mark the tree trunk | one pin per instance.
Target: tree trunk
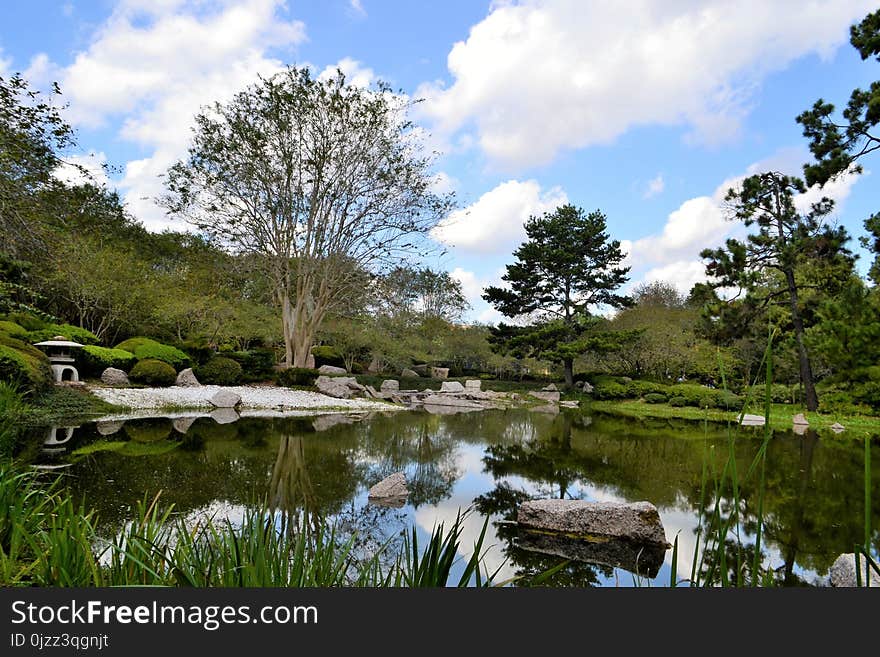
(287, 327)
(812, 400)
(568, 363)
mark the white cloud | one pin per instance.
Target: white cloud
(655, 186)
(495, 221)
(683, 274)
(357, 7)
(472, 287)
(156, 62)
(5, 64)
(539, 76)
(355, 74)
(444, 183)
(71, 171)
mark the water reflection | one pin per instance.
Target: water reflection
(313, 468)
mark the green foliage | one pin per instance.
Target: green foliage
(296, 376)
(24, 364)
(327, 355)
(655, 398)
(94, 359)
(146, 348)
(610, 390)
(13, 330)
(677, 402)
(153, 372)
(74, 333)
(254, 362)
(219, 371)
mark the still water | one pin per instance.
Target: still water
(487, 462)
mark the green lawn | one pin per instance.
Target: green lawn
(780, 415)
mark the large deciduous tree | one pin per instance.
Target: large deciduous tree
(785, 239)
(567, 265)
(321, 179)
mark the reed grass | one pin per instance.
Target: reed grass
(47, 540)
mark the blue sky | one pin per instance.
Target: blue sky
(647, 110)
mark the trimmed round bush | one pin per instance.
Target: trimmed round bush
(655, 398)
(325, 355)
(219, 371)
(678, 402)
(148, 349)
(24, 364)
(297, 376)
(27, 321)
(153, 372)
(254, 362)
(95, 360)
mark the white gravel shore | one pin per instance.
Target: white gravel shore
(252, 397)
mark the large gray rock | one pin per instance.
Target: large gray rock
(570, 404)
(225, 399)
(390, 385)
(109, 427)
(187, 379)
(550, 388)
(224, 415)
(473, 385)
(182, 424)
(330, 370)
(114, 377)
(440, 372)
(800, 419)
(749, 420)
(447, 400)
(843, 572)
(373, 367)
(409, 374)
(638, 521)
(587, 388)
(421, 370)
(451, 386)
(546, 396)
(837, 427)
(334, 386)
(325, 422)
(391, 486)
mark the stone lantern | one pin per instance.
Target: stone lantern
(58, 349)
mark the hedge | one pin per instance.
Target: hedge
(148, 349)
(94, 360)
(74, 333)
(153, 372)
(13, 330)
(219, 371)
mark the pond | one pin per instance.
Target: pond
(322, 466)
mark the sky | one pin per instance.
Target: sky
(648, 110)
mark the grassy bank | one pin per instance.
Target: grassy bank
(780, 415)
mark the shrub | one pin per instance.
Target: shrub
(13, 330)
(199, 352)
(678, 402)
(609, 390)
(642, 388)
(254, 362)
(24, 364)
(325, 355)
(74, 333)
(27, 321)
(94, 359)
(655, 398)
(728, 400)
(219, 371)
(297, 376)
(147, 349)
(153, 372)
